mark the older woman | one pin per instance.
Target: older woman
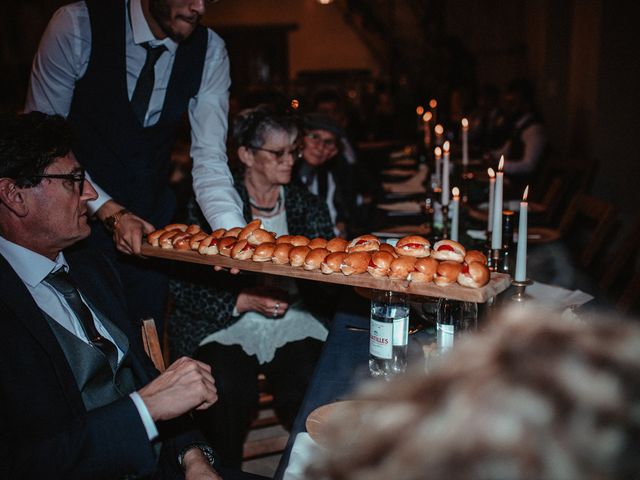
(245, 324)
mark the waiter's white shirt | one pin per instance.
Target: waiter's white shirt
(62, 60)
(33, 268)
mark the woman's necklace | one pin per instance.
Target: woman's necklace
(268, 211)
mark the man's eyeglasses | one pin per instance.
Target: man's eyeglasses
(77, 177)
(279, 155)
(316, 138)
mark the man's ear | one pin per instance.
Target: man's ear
(246, 156)
(13, 197)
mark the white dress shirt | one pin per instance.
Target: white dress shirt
(33, 268)
(534, 139)
(62, 60)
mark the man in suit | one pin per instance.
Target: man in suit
(79, 398)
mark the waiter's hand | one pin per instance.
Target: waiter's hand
(128, 231)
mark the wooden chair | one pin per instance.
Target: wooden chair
(151, 343)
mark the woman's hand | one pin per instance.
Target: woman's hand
(270, 302)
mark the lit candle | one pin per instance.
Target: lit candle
(419, 113)
(426, 118)
(445, 174)
(438, 154)
(492, 186)
(496, 233)
(433, 105)
(521, 259)
(465, 142)
(456, 213)
(439, 129)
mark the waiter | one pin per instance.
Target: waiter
(124, 72)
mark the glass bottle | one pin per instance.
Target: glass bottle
(388, 335)
(508, 254)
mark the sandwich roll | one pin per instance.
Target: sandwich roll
(225, 245)
(208, 246)
(385, 247)
(364, 243)
(259, 236)
(317, 243)
(263, 252)
(242, 250)
(154, 237)
(448, 250)
(355, 263)
(194, 243)
(181, 241)
(219, 233)
(447, 273)
(401, 267)
(475, 256)
(314, 259)
(299, 241)
(298, 254)
(176, 226)
(474, 275)
(166, 238)
(193, 229)
(234, 232)
(337, 245)
(284, 239)
(281, 253)
(413, 246)
(380, 264)
(425, 270)
(249, 229)
(332, 262)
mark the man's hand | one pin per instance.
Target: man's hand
(270, 302)
(185, 385)
(129, 230)
(196, 466)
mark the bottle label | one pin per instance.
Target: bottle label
(381, 339)
(400, 331)
(444, 336)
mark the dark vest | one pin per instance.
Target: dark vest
(129, 161)
(516, 148)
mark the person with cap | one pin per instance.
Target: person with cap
(324, 170)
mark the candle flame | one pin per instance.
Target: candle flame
(433, 103)
(438, 152)
(295, 104)
(446, 147)
(439, 129)
(525, 194)
(501, 164)
(427, 116)
(465, 123)
(491, 173)
(455, 191)
(419, 110)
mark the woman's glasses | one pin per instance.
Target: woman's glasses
(316, 138)
(280, 155)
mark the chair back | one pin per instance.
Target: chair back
(151, 343)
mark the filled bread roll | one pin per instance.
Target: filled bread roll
(380, 263)
(315, 258)
(448, 250)
(337, 245)
(181, 241)
(193, 229)
(208, 246)
(299, 241)
(447, 273)
(332, 262)
(166, 239)
(219, 233)
(259, 236)
(297, 255)
(474, 275)
(413, 246)
(225, 245)
(242, 250)
(234, 232)
(355, 263)
(425, 270)
(176, 226)
(385, 247)
(248, 230)
(317, 243)
(264, 252)
(154, 237)
(281, 253)
(401, 267)
(475, 256)
(284, 239)
(195, 240)
(364, 243)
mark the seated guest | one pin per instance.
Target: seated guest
(80, 399)
(532, 397)
(244, 325)
(526, 145)
(325, 172)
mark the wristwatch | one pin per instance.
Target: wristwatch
(206, 450)
(111, 222)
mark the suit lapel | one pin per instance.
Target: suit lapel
(17, 298)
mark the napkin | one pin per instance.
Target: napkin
(413, 185)
(557, 297)
(304, 450)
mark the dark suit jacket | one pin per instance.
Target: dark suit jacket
(45, 431)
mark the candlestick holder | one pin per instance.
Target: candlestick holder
(521, 296)
(493, 261)
(445, 221)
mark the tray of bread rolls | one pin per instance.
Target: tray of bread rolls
(413, 266)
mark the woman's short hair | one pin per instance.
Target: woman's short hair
(533, 397)
(251, 126)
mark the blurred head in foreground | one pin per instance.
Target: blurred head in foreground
(534, 398)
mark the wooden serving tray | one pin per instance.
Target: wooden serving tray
(498, 283)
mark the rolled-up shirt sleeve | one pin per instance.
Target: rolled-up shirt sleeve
(208, 112)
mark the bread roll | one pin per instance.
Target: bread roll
(219, 233)
(425, 270)
(332, 262)
(380, 263)
(385, 247)
(249, 229)
(176, 226)
(181, 241)
(281, 253)
(264, 252)
(193, 229)
(364, 243)
(284, 239)
(315, 258)
(225, 245)
(355, 263)
(317, 243)
(413, 246)
(448, 250)
(474, 275)
(154, 237)
(401, 267)
(475, 256)
(447, 273)
(242, 250)
(337, 245)
(298, 240)
(166, 238)
(259, 236)
(195, 240)
(208, 246)
(234, 232)
(298, 254)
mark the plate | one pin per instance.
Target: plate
(318, 420)
(403, 230)
(411, 207)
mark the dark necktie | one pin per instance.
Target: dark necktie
(144, 85)
(61, 281)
